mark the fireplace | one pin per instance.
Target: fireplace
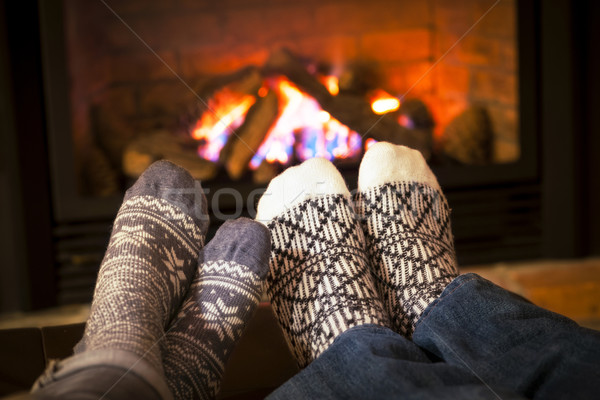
(130, 82)
(135, 68)
(146, 80)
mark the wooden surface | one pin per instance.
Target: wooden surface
(569, 287)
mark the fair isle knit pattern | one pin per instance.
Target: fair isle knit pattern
(150, 260)
(319, 281)
(222, 299)
(410, 245)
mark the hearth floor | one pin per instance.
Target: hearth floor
(569, 287)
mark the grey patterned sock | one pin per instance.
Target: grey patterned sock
(222, 298)
(149, 263)
(406, 220)
(319, 281)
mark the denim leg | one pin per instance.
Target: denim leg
(107, 374)
(510, 342)
(373, 362)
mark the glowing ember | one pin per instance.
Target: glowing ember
(382, 102)
(406, 122)
(226, 112)
(319, 135)
(262, 92)
(369, 142)
(331, 82)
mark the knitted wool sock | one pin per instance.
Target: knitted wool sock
(149, 263)
(406, 221)
(222, 299)
(319, 282)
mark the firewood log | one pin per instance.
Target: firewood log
(248, 138)
(159, 145)
(351, 110)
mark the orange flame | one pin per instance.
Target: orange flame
(301, 116)
(369, 142)
(383, 102)
(301, 131)
(331, 82)
(226, 111)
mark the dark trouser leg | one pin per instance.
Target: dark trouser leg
(373, 362)
(510, 342)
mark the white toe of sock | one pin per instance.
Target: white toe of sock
(314, 177)
(385, 163)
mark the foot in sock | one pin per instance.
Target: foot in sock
(406, 221)
(222, 298)
(319, 282)
(149, 263)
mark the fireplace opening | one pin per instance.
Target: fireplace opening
(142, 74)
(236, 91)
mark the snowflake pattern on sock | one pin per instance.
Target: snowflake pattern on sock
(222, 299)
(410, 245)
(149, 262)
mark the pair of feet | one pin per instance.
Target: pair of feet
(338, 262)
(177, 305)
(182, 306)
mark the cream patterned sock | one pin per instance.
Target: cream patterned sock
(406, 220)
(319, 282)
(149, 263)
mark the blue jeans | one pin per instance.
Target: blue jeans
(476, 341)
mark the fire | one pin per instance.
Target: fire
(383, 102)
(301, 117)
(331, 82)
(279, 142)
(302, 130)
(369, 142)
(226, 112)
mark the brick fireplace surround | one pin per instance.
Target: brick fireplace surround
(539, 86)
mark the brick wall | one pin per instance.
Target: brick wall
(122, 89)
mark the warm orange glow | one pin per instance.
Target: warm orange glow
(303, 128)
(383, 102)
(301, 131)
(369, 142)
(226, 111)
(262, 92)
(280, 139)
(405, 121)
(331, 83)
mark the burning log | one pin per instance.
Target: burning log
(245, 81)
(159, 145)
(351, 110)
(242, 145)
(282, 62)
